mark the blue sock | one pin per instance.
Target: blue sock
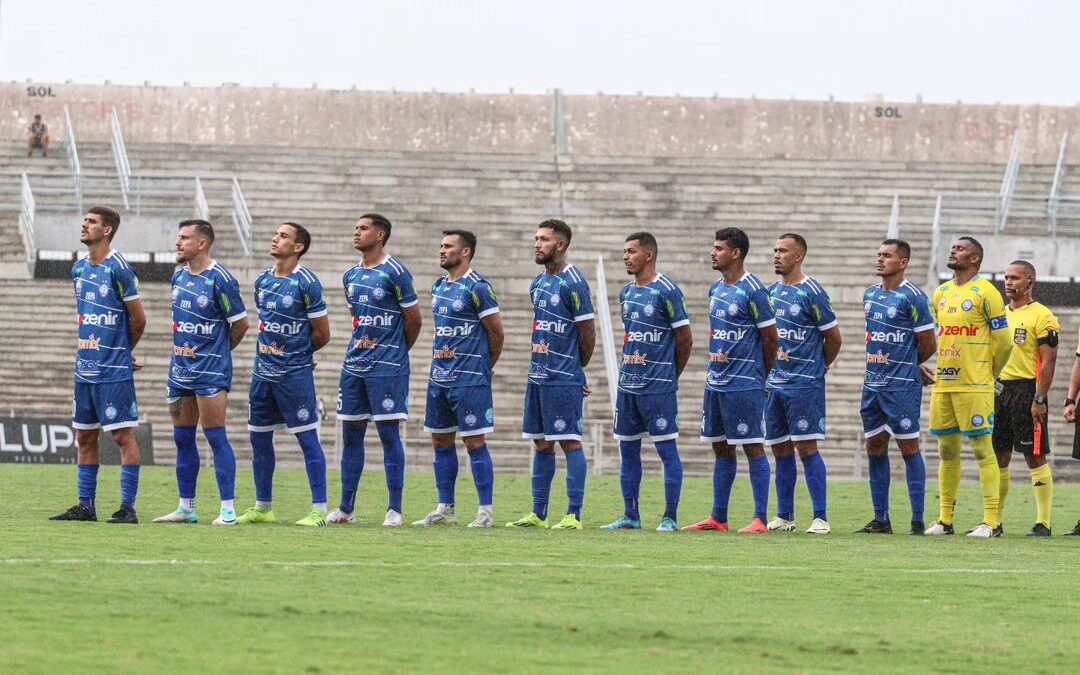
(483, 474)
(630, 476)
(577, 468)
(446, 469)
(879, 486)
(723, 478)
(816, 483)
(88, 485)
(262, 464)
(224, 461)
(315, 463)
(352, 463)
(543, 472)
(187, 461)
(787, 472)
(129, 484)
(916, 485)
(759, 485)
(669, 455)
(393, 461)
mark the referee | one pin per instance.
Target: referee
(1020, 401)
(1070, 417)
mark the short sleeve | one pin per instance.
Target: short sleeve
(761, 308)
(346, 279)
(1047, 326)
(483, 296)
(822, 311)
(994, 309)
(922, 319)
(934, 305)
(675, 304)
(127, 283)
(404, 289)
(313, 299)
(581, 298)
(232, 303)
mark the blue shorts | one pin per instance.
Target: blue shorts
(466, 410)
(373, 398)
(105, 406)
(176, 393)
(736, 417)
(641, 415)
(794, 414)
(288, 403)
(553, 413)
(893, 410)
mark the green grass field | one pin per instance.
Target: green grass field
(92, 597)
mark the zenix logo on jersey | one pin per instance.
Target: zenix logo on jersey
(551, 326)
(105, 319)
(890, 337)
(380, 320)
(454, 331)
(728, 335)
(646, 336)
(193, 328)
(796, 334)
(290, 328)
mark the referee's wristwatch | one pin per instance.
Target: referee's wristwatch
(1040, 399)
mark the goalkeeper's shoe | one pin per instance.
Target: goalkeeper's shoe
(392, 519)
(938, 528)
(819, 526)
(484, 518)
(180, 515)
(339, 517)
(984, 531)
(256, 514)
(875, 526)
(710, 524)
(779, 524)
(1075, 532)
(125, 515)
(623, 523)
(528, 521)
(226, 517)
(568, 522)
(80, 512)
(667, 524)
(314, 519)
(442, 515)
(755, 527)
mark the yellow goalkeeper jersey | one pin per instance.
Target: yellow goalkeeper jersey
(1030, 326)
(965, 315)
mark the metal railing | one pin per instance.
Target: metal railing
(241, 216)
(26, 217)
(1060, 171)
(73, 155)
(120, 156)
(1008, 182)
(607, 331)
(202, 208)
(894, 218)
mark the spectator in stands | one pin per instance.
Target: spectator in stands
(38, 137)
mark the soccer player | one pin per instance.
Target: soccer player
(809, 341)
(292, 326)
(1020, 407)
(973, 345)
(742, 350)
(563, 337)
(111, 322)
(467, 344)
(656, 346)
(1069, 415)
(899, 337)
(375, 375)
(209, 321)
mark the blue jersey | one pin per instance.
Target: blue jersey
(892, 350)
(204, 306)
(286, 306)
(460, 354)
(104, 353)
(650, 316)
(737, 313)
(559, 302)
(376, 297)
(803, 313)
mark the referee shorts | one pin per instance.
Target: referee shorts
(1014, 430)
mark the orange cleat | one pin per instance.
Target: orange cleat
(755, 527)
(710, 524)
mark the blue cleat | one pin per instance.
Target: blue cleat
(667, 525)
(623, 523)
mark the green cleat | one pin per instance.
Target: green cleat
(314, 519)
(569, 522)
(623, 523)
(531, 520)
(256, 514)
(667, 525)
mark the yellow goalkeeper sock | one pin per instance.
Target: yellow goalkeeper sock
(1043, 484)
(989, 476)
(1003, 491)
(948, 475)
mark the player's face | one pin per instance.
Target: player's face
(635, 256)
(889, 261)
(452, 252)
(366, 235)
(548, 245)
(284, 244)
(1017, 282)
(962, 256)
(188, 244)
(723, 255)
(786, 255)
(93, 230)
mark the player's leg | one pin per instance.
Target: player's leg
(263, 418)
(213, 404)
(759, 486)
(945, 427)
(724, 464)
(902, 410)
(743, 414)
(778, 438)
(475, 418)
(388, 399)
(808, 423)
(563, 408)
(295, 396)
(354, 411)
(87, 429)
(184, 411)
(439, 421)
(577, 470)
(877, 454)
(628, 429)
(1042, 480)
(483, 472)
(543, 459)
(121, 415)
(661, 412)
(1002, 439)
(975, 412)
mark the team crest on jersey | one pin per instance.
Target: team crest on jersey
(648, 310)
(379, 292)
(977, 420)
(905, 423)
(555, 300)
(802, 424)
(560, 425)
(891, 312)
(661, 423)
(303, 414)
(458, 305)
(103, 290)
(470, 420)
(732, 309)
(966, 305)
(1020, 336)
(388, 404)
(743, 428)
(286, 301)
(202, 301)
(794, 310)
(111, 412)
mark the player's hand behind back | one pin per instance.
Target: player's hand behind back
(135, 364)
(927, 375)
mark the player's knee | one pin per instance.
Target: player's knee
(784, 449)
(569, 445)
(1003, 459)
(544, 446)
(442, 440)
(1034, 461)
(806, 448)
(723, 450)
(473, 443)
(754, 451)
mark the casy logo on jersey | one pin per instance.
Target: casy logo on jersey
(281, 328)
(733, 335)
(104, 319)
(888, 337)
(551, 326)
(379, 320)
(454, 331)
(646, 336)
(193, 327)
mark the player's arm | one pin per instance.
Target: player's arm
(237, 330)
(1074, 389)
(1000, 336)
(684, 344)
(320, 332)
(1045, 375)
(413, 322)
(770, 339)
(495, 334)
(831, 349)
(136, 320)
(586, 340)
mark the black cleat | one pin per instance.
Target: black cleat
(875, 527)
(77, 512)
(917, 530)
(1039, 530)
(1075, 532)
(125, 515)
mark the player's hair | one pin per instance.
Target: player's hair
(468, 237)
(902, 246)
(975, 243)
(37, 117)
(302, 236)
(203, 228)
(560, 227)
(797, 238)
(647, 241)
(380, 222)
(1028, 267)
(736, 238)
(110, 217)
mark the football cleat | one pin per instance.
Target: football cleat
(623, 523)
(998, 531)
(667, 525)
(875, 526)
(527, 521)
(392, 519)
(937, 529)
(442, 515)
(568, 522)
(1039, 530)
(124, 515)
(226, 517)
(984, 531)
(755, 527)
(314, 519)
(180, 515)
(819, 526)
(710, 524)
(339, 517)
(256, 514)
(484, 518)
(1075, 532)
(917, 529)
(80, 512)
(779, 524)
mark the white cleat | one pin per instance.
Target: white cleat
(227, 517)
(339, 517)
(819, 526)
(178, 516)
(778, 524)
(442, 515)
(393, 519)
(484, 518)
(938, 529)
(983, 531)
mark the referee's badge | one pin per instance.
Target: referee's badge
(1020, 336)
